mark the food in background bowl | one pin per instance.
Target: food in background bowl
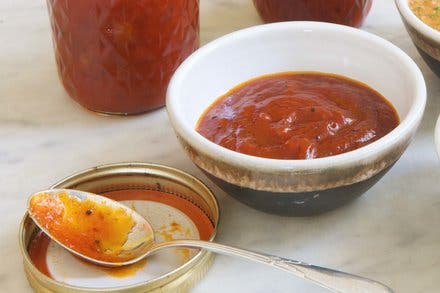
(298, 115)
(421, 24)
(295, 187)
(427, 11)
(348, 12)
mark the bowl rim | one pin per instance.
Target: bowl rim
(363, 154)
(415, 22)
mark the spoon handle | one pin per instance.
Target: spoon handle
(333, 280)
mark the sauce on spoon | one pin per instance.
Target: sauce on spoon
(95, 229)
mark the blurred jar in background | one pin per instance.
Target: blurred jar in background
(118, 56)
(347, 12)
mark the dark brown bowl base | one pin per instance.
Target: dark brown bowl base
(434, 64)
(301, 203)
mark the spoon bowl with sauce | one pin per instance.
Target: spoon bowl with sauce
(98, 229)
(107, 233)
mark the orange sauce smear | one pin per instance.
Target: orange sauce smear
(37, 248)
(167, 233)
(125, 271)
(93, 229)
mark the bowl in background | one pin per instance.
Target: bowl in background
(295, 187)
(351, 12)
(425, 38)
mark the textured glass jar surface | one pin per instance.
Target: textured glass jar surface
(117, 56)
(347, 12)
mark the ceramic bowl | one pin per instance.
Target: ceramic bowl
(295, 187)
(425, 38)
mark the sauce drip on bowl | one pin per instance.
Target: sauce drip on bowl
(93, 229)
(298, 115)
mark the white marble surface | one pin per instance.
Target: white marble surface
(391, 234)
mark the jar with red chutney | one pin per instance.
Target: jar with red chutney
(118, 56)
(347, 12)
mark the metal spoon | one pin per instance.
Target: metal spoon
(142, 244)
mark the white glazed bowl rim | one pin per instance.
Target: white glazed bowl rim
(354, 157)
(415, 22)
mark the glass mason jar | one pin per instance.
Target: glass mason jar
(117, 56)
(347, 12)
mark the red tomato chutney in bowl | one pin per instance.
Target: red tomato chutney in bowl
(298, 115)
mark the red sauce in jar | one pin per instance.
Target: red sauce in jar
(118, 56)
(348, 12)
(298, 115)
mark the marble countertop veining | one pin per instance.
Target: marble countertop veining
(390, 234)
